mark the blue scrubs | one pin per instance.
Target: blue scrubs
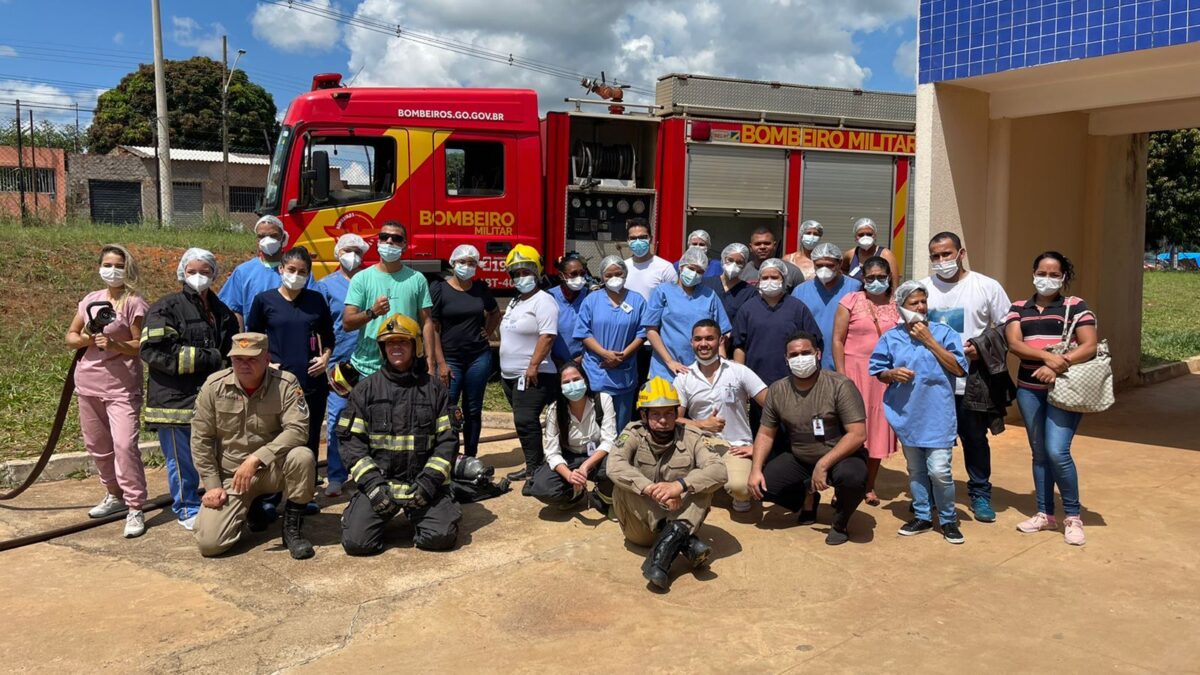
(247, 281)
(762, 331)
(566, 347)
(734, 298)
(614, 327)
(334, 287)
(823, 303)
(674, 313)
(922, 411)
(714, 269)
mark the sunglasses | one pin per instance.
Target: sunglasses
(397, 238)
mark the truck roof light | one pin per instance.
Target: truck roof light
(326, 81)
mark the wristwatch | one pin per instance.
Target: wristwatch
(684, 484)
(370, 313)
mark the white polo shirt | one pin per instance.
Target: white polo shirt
(727, 395)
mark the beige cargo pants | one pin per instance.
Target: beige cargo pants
(641, 517)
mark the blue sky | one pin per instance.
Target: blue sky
(66, 56)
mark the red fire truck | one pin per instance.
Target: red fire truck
(481, 167)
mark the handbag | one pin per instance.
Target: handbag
(1086, 387)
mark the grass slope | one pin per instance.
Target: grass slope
(1171, 319)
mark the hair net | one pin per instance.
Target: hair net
(611, 260)
(197, 254)
(350, 240)
(906, 289)
(464, 251)
(694, 256)
(737, 248)
(699, 234)
(775, 263)
(865, 222)
(827, 250)
(812, 225)
(274, 222)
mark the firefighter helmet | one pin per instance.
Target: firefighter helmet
(658, 393)
(522, 254)
(400, 327)
(343, 378)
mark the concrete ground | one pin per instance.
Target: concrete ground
(531, 589)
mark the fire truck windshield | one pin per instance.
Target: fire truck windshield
(270, 202)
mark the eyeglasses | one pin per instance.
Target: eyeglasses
(386, 237)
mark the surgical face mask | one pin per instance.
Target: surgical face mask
(826, 274)
(1047, 285)
(732, 270)
(803, 365)
(390, 252)
(639, 247)
(198, 282)
(350, 260)
(810, 240)
(294, 282)
(770, 287)
(574, 390)
(269, 245)
(698, 247)
(576, 283)
(946, 269)
(709, 361)
(113, 276)
(525, 284)
(910, 317)
(866, 241)
(876, 286)
(615, 284)
(464, 272)
(689, 277)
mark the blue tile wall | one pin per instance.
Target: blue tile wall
(964, 38)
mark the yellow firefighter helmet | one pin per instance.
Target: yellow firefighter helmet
(400, 327)
(658, 393)
(523, 255)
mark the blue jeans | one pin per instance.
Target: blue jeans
(1050, 432)
(335, 471)
(623, 408)
(182, 478)
(929, 469)
(469, 378)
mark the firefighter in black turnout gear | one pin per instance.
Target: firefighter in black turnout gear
(397, 439)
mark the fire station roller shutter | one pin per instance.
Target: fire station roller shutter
(115, 202)
(188, 203)
(841, 187)
(724, 178)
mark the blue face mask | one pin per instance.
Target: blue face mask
(574, 390)
(525, 284)
(639, 247)
(689, 277)
(390, 252)
(464, 272)
(876, 287)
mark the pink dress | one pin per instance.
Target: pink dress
(867, 323)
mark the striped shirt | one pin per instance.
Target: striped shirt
(1041, 328)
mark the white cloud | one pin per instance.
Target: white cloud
(905, 61)
(5, 50)
(188, 32)
(292, 30)
(118, 38)
(48, 102)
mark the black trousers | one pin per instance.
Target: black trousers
(548, 487)
(527, 409)
(644, 356)
(789, 479)
(435, 525)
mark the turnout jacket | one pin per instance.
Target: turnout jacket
(183, 344)
(695, 456)
(230, 425)
(396, 429)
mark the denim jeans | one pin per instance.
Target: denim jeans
(182, 478)
(527, 406)
(623, 408)
(977, 453)
(929, 477)
(469, 378)
(335, 471)
(1050, 432)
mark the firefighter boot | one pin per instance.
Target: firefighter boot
(671, 540)
(696, 551)
(293, 537)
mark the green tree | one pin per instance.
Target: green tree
(46, 134)
(1173, 188)
(124, 115)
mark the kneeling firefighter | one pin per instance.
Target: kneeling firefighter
(665, 475)
(396, 437)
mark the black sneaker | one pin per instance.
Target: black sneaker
(952, 534)
(809, 516)
(915, 526)
(521, 475)
(836, 537)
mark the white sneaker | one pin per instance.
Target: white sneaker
(741, 506)
(108, 506)
(135, 524)
(334, 489)
(188, 524)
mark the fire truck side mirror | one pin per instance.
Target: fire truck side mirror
(320, 177)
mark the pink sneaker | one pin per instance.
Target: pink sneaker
(1038, 523)
(1073, 530)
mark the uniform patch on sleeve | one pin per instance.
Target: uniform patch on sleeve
(302, 405)
(622, 438)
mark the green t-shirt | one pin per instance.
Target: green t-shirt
(407, 293)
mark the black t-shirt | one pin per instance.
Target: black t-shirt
(461, 315)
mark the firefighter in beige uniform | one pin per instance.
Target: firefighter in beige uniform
(665, 475)
(248, 438)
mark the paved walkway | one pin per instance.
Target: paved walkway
(537, 590)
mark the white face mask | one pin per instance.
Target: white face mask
(732, 270)
(350, 260)
(803, 366)
(464, 272)
(947, 269)
(198, 282)
(525, 284)
(269, 245)
(112, 276)
(1047, 286)
(576, 283)
(866, 241)
(390, 252)
(709, 361)
(910, 317)
(770, 287)
(293, 281)
(615, 284)
(810, 240)
(826, 274)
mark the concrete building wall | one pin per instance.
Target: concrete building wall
(88, 167)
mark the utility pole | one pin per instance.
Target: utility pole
(20, 163)
(165, 201)
(225, 116)
(33, 161)
(77, 126)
